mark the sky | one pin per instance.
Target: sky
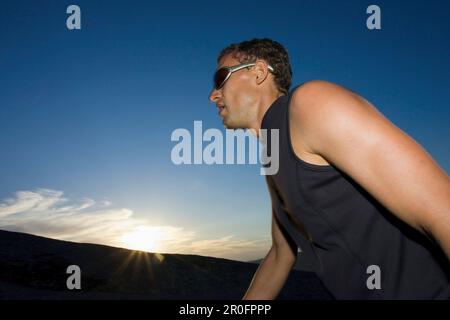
(86, 116)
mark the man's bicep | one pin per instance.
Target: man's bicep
(281, 240)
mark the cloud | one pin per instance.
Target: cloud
(229, 246)
(48, 213)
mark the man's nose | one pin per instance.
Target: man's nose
(214, 95)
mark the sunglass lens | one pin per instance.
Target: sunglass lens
(220, 77)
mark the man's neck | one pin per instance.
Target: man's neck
(264, 104)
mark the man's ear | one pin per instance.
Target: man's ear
(261, 70)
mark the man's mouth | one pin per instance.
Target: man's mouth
(220, 108)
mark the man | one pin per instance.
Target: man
(363, 202)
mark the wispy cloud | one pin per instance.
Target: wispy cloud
(230, 246)
(48, 213)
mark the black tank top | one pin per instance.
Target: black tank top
(341, 230)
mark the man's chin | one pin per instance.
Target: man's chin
(227, 124)
(230, 125)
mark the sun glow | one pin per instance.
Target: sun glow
(144, 239)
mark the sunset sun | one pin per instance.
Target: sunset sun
(143, 239)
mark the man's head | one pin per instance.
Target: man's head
(240, 97)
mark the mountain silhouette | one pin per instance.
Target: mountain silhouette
(33, 267)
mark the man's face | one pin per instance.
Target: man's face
(236, 99)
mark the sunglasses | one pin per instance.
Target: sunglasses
(223, 74)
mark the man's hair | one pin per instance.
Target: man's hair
(270, 51)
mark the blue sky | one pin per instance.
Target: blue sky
(86, 115)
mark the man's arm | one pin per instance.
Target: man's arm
(274, 269)
(353, 135)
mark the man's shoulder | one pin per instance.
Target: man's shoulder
(319, 106)
(322, 100)
(319, 91)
